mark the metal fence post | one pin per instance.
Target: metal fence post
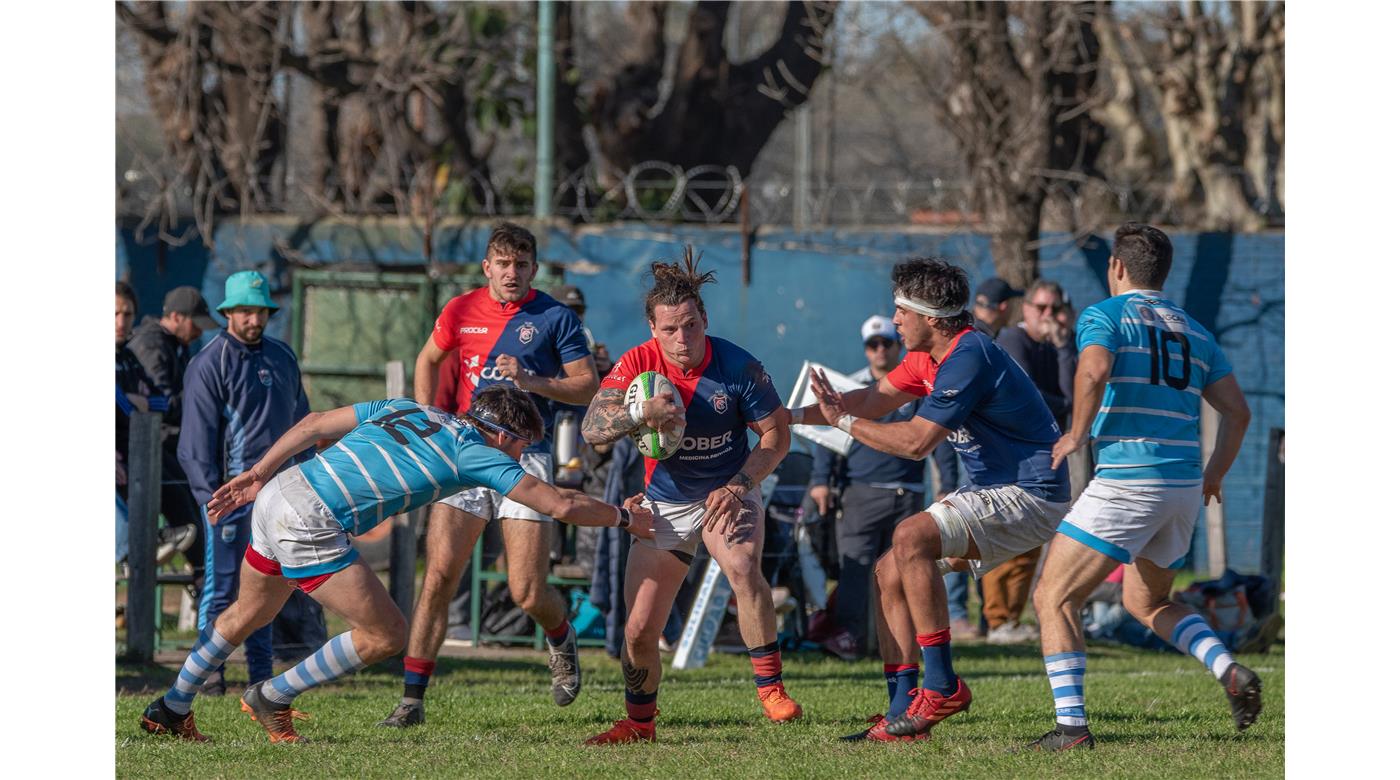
(143, 508)
(1272, 542)
(1215, 512)
(403, 539)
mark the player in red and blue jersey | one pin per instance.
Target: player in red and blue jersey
(390, 457)
(705, 491)
(504, 333)
(976, 396)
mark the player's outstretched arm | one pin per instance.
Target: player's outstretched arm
(243, 488)
(571, 506)
(871, 403)
(1224, 395)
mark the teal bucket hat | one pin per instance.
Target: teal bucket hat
(247, 288)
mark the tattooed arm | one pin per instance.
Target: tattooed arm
(609, 420)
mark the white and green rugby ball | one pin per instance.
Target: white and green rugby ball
(654, 444)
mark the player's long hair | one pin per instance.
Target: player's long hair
(676, 283)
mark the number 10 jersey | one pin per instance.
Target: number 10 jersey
(1147, 431)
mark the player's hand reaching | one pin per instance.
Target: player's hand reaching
(237, 492)
(642, 518)
(832, 406)
(725, 513)
(1066, 445)
(662, 412)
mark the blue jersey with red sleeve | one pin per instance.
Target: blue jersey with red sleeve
(721, 396)
(540, 332)
(1001, 426)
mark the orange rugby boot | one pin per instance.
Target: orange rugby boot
(777, 704)
(276, 719)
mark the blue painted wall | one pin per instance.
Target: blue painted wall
(810, 291)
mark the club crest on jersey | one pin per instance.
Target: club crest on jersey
(720, 401)
(527, 333)
(265, 377)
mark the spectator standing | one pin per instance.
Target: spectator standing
(163, 347)
(136, 392)
(877, 491)
(241, 393)
(1044, 347)
(991, 308)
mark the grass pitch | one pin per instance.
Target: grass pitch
(1154, 715)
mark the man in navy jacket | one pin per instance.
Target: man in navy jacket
(242, 392)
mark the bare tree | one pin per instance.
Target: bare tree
(1215, 79)
(1013, 90)
(705, 109)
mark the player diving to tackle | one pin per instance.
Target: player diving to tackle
(1144, 367)
(705, 491)
(978, 397)
(392, 456)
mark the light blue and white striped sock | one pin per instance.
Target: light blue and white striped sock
(208, 655)
(1066, 672)
(1193, 636)
(335, 659)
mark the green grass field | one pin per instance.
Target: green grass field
(1154, 715)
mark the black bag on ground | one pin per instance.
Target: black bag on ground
(501, 617)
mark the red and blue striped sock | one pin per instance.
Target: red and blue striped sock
(556, 636)
(641, 707)
(767, 664)
(901, 679)
(937, 651)
(416, 672)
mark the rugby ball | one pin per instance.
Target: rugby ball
(654, 444)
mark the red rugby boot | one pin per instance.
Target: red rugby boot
(624, 731)
(877, 733)
(927, 708)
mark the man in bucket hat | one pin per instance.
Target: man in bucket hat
(242, 392)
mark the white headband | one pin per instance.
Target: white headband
(926, 309)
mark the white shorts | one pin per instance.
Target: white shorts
(1136, 521)
(488, 505)
(1003, 521)
(679, 527)
(294, 529)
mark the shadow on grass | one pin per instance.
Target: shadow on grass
(133, 678)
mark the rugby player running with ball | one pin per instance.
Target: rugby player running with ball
(706, 491)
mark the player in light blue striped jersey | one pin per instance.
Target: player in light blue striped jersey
(1145, 366)
(392, 456)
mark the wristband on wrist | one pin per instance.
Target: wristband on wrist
(624, 518)
(634, 412)
(845, 421)
(798, 415)
(741, 480)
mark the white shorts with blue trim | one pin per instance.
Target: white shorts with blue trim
(294, 528)
(488, 505)
(1132, 521)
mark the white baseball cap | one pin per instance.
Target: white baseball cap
(878, 326)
